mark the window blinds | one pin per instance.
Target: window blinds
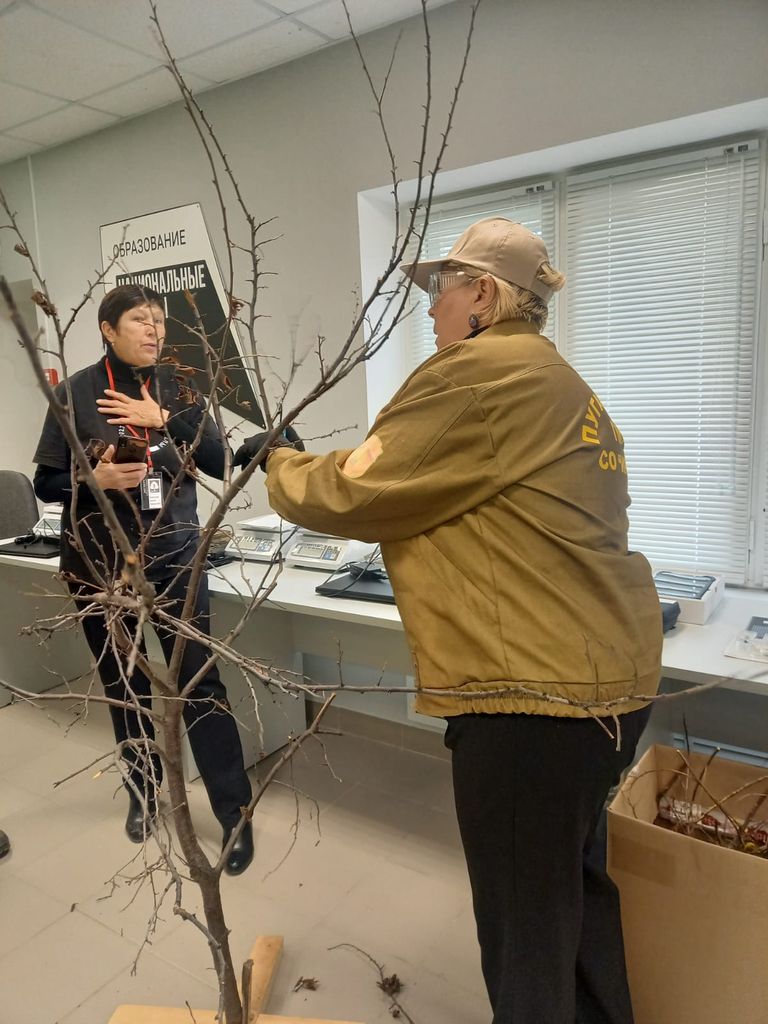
(662, 261)
(532, 205)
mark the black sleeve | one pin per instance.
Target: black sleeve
(209, 453)
(52, 484)
(52, 448)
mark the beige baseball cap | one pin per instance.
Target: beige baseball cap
(498, 246)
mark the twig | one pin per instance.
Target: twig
(389, 985)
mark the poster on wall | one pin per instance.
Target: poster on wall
(171, 252)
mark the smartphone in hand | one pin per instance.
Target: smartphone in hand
(130, 449)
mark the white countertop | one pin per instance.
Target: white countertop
(695, 653)
(691, 653)
(295, 592)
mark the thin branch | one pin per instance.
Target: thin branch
(390, 985)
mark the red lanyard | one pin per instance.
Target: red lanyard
(128, 425)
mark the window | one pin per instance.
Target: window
(532, 205)
(660, 316)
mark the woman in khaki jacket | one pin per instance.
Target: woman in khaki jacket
(496, 483)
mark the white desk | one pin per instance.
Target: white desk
(26, 586)
(24, 662)
(296, 621)
(366, 633)
(691, 653)
(694, 654)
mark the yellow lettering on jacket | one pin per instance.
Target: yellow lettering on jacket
(610, 460)
(592, 417)
(589, 434)
(361, 459)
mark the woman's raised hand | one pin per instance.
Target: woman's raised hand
(138, 412)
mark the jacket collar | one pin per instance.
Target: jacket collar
(508, 328)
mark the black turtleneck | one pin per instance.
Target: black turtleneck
(127, 373)
(53, 479)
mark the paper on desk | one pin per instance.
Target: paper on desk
(751, 644)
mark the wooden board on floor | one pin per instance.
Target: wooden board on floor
(266, 953)
(267, 1018)
(160, 1015)
(174, 1015)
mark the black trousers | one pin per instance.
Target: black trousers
(211, 728)
(529, 793)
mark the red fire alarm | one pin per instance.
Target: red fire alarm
(52, 375)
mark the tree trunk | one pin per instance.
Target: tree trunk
(200, 869)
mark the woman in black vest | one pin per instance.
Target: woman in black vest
(127, 394)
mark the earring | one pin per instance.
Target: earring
(474, 322)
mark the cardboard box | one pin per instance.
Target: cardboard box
(695, 915)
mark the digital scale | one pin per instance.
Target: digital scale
(697, 595)
(49, 523)
(264, 538)
(261, 539)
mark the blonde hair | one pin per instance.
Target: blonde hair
(510, 302)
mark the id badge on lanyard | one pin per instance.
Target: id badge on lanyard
(151, 490)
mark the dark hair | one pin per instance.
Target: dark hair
(126, 296)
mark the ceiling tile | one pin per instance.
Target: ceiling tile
(188, 25)
(292, 6)
(12, 149)
(17, 105)
(37, 48)
(157, 89)
(329, 18)
(104, 55)
(245, 56)
(63, 125)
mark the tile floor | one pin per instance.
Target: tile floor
(380, 868)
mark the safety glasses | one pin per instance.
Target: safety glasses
(441, 280)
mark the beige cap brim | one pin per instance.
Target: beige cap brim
(420, 273)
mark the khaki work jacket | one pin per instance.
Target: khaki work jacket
(496, 483)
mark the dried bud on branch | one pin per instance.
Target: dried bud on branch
(391, 985)
(43, 302)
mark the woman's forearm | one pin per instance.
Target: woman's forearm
(209, 451)
(52, 484)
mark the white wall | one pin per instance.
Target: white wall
(20, 396)
(304, 142)
(21, 407)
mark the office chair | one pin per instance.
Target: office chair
(18, 504)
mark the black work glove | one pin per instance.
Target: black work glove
(288, 439)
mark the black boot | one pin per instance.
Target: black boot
(5, 844)
(137, 824)
(241, 854)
